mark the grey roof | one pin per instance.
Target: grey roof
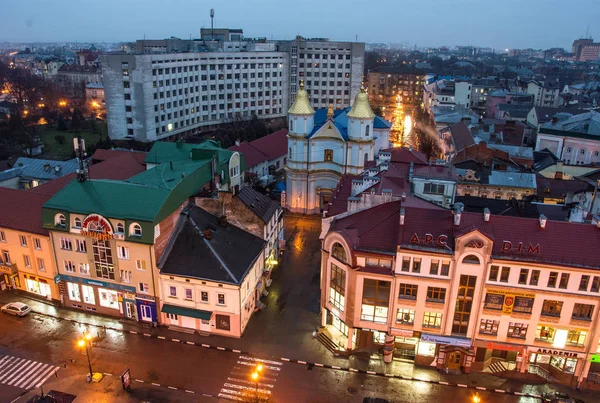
(516, 179)
(10, 173)
(588, 123)
(45, 169)
(260, 204)
(516, 111)
(514, 151)
(226, 257)
(545, 113)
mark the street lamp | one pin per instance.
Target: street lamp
(476, 398)
(256, 375)
(84, 342)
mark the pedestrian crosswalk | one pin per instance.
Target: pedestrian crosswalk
(23, 373)
(239, 384)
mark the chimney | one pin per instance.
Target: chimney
(402, 215)
(543, 221)
(403, 196)
(486, 214)
(458, 209)
(410, 148)
(596, 220)
(237, 142)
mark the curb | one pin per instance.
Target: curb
(309, 365)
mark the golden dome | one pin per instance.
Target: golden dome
(301, 105)
(361, 108)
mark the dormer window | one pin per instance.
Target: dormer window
(77, 222)
(135, 230)
(60, 220)
(120, 228)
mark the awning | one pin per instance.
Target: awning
(189, 312)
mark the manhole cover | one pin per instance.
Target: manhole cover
(352, 390)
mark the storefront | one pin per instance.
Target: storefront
(9, 277)
(146, 308)
(562, 365)
(406, 343)
(451, 353)
(93, 295)
(38, 285)
(338, 330)
(491, 353)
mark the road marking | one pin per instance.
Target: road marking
(176, 340)
(480, 388)
(147, 335)
(239, 382)
(499, 391)
(236, 351)
(23, 378)
(443, 383)
(206, 345)
(39, 381)
(161, 337)
(171, 387)
(191, 343)
(139, 380)
(460, 385)
(155, 384)
(261, 360)
(191, 391)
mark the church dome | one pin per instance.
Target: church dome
(301, 105)
(361, 108)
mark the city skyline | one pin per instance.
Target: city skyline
(462, 22)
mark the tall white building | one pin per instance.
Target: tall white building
(325, 144)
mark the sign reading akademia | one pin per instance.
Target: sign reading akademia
(559, 353)
(98, 227)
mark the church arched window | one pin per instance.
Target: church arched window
(367, 130)
(291, 125)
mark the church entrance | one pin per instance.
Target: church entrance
(325, 198)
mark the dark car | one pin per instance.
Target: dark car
(559, 397)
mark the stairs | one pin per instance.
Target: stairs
(327, 342)
(497, 367)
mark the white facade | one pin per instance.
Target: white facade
(544, 96)
(570, 150)
(462, 94)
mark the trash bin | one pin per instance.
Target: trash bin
(89, 378)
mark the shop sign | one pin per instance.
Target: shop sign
(557, 353)
(493, 301)
(490, 345)
(96, 283)
(97, 227)
(595, 358)
(429, 239)
(8, 269)
(57, 279)
(515, 293)
(402, 332)
(509, 302)
(126, 379)
(453, 341)
(507, 246)
(145, 298)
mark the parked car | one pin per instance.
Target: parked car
(16, 308)
(558, 397)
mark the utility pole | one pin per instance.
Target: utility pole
(212, 24)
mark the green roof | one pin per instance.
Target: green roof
(163, 151)
(189, 312)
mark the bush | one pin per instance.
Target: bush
(60, 139)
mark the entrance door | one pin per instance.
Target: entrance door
(325, 198)
(130, 310)
(188, 322)
(453, 360)
(205, 326)
(146, 313)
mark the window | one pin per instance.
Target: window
(471, 259)
(408, 291)
(435, 294)
(77, 222)
(505, 274)
(494, 270)
(120, 228)
(204, 296)
(445, 268)
(140, 264)
(189, 294)
(374, 262)
(339, 252)
(2, 236)
(595, 284)
(523, 276)
(23, 240)
(337, 287)
(535, 276)
(126, 276)
(27, 260)
(582, 311)
(123, 252)
(172, 291)
(291, 130)
(103, 259)
(375, 300)
(488, 326)
(328, 155)
(434, 188)
(65, 243)
(551, 307)
(517, 330)
(60, 221)
(84, 268)
(88, 294)
(464, 303)
(108, 298)
(6, 257)
(432, 319)
(583, 283)
(41, 265)
(576, 337)
(564, 280)
(37, 243)
(143, 287)
(69, 266)
(73, 290)
(434, 267)
(81, 246)
(405, 264)
(405, 316)
(135, 230)
(552, 279)
(545, 333)
(416, 265)
(220, 299)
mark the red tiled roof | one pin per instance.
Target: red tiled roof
(273, 145)
(403, 154)
(562, 243)
(22, 209)
(103, 155)
(252, 156)
(461, 135)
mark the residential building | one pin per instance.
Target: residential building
(496, 156)
(539, 116)
(106, 247)
(385, 84)
(487, 183)
(439, 93)
(222, 34)
(331, 71)
(28, 173)
(497, 97)
(545, 93)
(154, 96)
(324, 145)
(264, 155)
(73, 78)
(94, 94)
(204, 286)
(462, 291)
(585, 49)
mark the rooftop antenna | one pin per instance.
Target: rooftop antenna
(79, 145)
(587, 32)
(212, 24)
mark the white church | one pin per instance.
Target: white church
(325, 144)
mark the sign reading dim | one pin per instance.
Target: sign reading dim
(97, 227)
(508, 246)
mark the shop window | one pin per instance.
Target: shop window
(432, 319)
(434, 267)
(405, 316)
(108, 298)
(337, 287)
(535, 277)
(564, 280)
(545, 333)
(523, 276)
(583, 283)
(582, 311)
(426, 349)
(375, 300)
(517, 330)
(77, 222)
(464, 303)
(566, 365)
(436, 294)
(339, 252)
(552, 308)
(73, 290)
(504, 274)
(405, 264)
(488, 326)
(88, 294)
(408, 291)
(494, 271)
(416, 265)
(576, 337)
(552, 279)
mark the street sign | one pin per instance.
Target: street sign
(126, 380)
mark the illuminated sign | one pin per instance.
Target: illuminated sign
(98, 227)
(530, 249)
(556, 352)
(429, 239)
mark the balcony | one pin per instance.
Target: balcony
(8, 268)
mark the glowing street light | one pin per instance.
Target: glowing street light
(256, 376)
(476, 398)
(62, 103)
(84, 342)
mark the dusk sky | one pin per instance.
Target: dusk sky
(498, 24)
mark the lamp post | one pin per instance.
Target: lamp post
(83, 342)
(256, 376)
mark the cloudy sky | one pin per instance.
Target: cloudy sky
(495, 23)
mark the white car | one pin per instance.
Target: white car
(16, 308)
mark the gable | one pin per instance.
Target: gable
(329, 130)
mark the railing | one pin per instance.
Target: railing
(536, 369)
